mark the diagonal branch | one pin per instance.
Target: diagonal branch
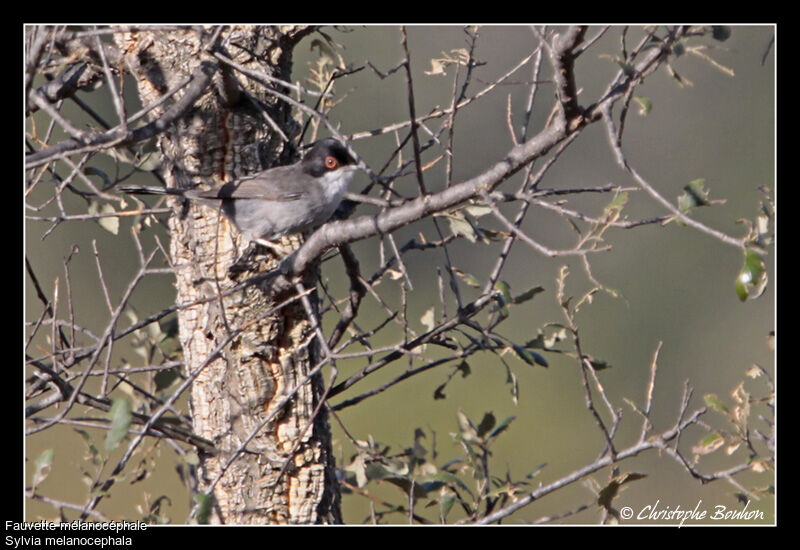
(121, 135)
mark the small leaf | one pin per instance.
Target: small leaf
(753, 372)
(437, 67)
(610, 491)
(467, 429)
(535, 472)
(427, 319)
(527, 295)
(394, 274)
(459, 56)
(616, 204)
(713, 402)
(477, 210)
(695, 195)
(462, 226)
(487, 423)
(514, 383)
(709, 444)
(446, 478)
(501, 427)
(109, 223)
(505, 291)
(752, 279)
(445, 504)
(43, 463)
(504, 298)
(530, 357)
(597, 363)
(45, 459)
(120, 416)
(645, 105)
(203, 502)
(165, 378)
(469, 279)
(359, 469)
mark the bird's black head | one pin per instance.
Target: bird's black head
(325, 156)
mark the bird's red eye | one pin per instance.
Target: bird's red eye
(331, 163)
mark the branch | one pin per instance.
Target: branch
(121, 135)
(345, 231)
(560, 129)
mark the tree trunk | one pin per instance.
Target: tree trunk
(222, 137)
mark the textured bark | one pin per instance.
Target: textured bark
(221, 138)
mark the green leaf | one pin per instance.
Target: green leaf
(752, 279)
(505, 296)
(505, 291)
(445, 504)
(45, 459)
(645, 105)
(447, 478)
(617, 203)
(527, 295)
(713, 402)
(530, 357)
(463, 224)
(695, 195)
(120, 416)
(597, 363)
(469, 279)
(709, 444)
(203, 502)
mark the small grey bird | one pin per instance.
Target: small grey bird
(281, 200)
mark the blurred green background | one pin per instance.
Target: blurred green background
(676, 285)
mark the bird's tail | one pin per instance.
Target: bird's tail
(142, 190)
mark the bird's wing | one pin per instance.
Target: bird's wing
(271, 185)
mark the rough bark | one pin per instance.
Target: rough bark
(221, 138)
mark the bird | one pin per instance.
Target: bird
(282, 200)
